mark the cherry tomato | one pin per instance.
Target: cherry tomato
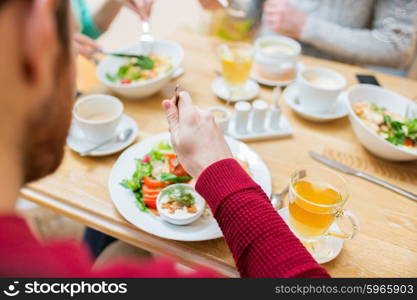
(153, 183)
(408, 143)
(126, 81)
(146, 159)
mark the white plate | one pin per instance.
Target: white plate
(77, 142)
(206, 227)
(333, 245)
(274, 83)
(220, 89)
(291, 97)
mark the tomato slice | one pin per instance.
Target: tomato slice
(176, 168)
(150, 202)
(153, 183)
(150, 191)
(126, 81)
(170, 155)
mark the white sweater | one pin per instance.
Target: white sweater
(374, 32)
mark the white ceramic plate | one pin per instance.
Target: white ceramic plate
(291, 97)
(77, 142)
(220, 89)
(274, 83)
(206, 227)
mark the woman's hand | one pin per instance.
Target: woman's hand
(210, 4)
(84, 45)
(284, 18)
(196, 138)
(142, 7)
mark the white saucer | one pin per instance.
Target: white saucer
(77, 142)
(332, 245)
(274, 83)
(291, 97)
(220, 89)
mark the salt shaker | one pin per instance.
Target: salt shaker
(242, 111)
(275, 112)
(260, 108)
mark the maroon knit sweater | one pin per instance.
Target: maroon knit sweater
(260, 241)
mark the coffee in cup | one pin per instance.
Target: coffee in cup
(319, 88)
(98, 116)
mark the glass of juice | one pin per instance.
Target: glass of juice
(236, 61)
(316, 200)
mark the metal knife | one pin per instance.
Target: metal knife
(340, 167)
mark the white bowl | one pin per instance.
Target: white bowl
(144, 89)
(370, 140)
(181, 220)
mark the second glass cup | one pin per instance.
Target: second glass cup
(236, 60)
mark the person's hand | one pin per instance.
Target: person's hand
(210, 4)
(84, 45)
(284, 18)
(195, 136)
(142, 7)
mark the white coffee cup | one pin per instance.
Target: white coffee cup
(318, 88)
(276, 57)
(98, 116)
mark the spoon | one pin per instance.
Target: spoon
(277, 199)
(121, 137)
(146, 38)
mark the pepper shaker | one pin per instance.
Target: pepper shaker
(260, 108)
(242, 111)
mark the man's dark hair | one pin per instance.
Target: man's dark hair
(61, 15)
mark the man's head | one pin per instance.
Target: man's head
(36, 82)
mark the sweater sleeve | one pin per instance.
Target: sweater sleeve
(389, 42)
(260, 241)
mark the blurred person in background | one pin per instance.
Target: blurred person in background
(37, 85)
(91, 25)
(367, 32)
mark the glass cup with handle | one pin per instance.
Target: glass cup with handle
(316, 201)
(236, 60)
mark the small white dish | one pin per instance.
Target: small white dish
(180, 217)
(338, 111)
(255, 75)
(77, 141)
(220, 89)
(370, 140)
(332, 244)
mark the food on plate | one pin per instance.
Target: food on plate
(392, 127)
(180, 204)
(141, 68)
(155, 171)
(179, 200)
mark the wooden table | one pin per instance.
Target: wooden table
(387, 243)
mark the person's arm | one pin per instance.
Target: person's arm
(390, 42)
(260, 241)
(105, 15)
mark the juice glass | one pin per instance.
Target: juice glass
(236, 60)
(316, 200)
